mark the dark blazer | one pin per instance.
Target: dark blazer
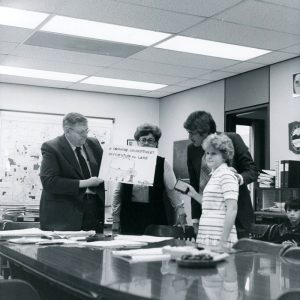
(242, 162)
(61, 205)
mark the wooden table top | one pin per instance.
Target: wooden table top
(245, 275)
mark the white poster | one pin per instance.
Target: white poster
(129, 164)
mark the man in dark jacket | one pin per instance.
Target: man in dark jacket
(199, 125)
(73, 196)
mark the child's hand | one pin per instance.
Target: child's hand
(290, 242)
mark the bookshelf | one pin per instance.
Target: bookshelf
(269, 204)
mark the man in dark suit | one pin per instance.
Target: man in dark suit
(199, 125)
(73, 196)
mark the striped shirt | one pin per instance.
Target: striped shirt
(222, 186)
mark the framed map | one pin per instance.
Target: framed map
(21, 137)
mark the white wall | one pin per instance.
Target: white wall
(128, 111)
(175, 109)
(284, 109)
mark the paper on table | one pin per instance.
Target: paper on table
(142, 252)
(22, 232)
(145, 258)
(25, 240)
(142, 238)
(39, 241)
(114, 244)
(142, 255)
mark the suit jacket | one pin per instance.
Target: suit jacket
(61, 205)
(242, 162)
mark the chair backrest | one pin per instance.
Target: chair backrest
(292, 252)
(259, 246)
(171, 231)
(258, 230)
(15, 289)
(290, 295)
(20, 225)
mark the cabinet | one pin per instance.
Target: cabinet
(269, 204)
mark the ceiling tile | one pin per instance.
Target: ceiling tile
(126, 14)
(220, 31)
(2, 58)
(194, 82)
(159, 68)
(65, 56)
(33, 81)
(292, 49)
(200, 7)
(13, 34)
(264, 15)
(217, 75)
(183, 59)
(273, 58)
(106, 89)
(138, 76)
(288, 3)
(49, 65)
(48, 6)
(169, 90)
(83, 45)
(6, 48)
(243, 67)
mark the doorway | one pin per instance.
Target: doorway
(252, 124)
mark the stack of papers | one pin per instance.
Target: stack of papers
(142, 238)
(142, 255)
(114, 244)
(36, 232)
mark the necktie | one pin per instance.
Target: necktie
(83, 165)
(204, 175)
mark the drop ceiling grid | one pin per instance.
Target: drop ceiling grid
(261, 24)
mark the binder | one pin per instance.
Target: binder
(291, 174)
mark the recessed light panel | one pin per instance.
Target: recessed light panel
(103, 31)
(33, 73)
(21, 18)
(211, 48)
(128, 84)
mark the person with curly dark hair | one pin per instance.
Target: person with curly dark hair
(199, 124)
(134, 207)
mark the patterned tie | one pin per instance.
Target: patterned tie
(204, 174)
(83, 165)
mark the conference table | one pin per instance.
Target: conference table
(74, 272)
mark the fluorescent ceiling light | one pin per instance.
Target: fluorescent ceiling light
(103, 31)
(33, 73)
(210, 48)
(21, 18)
(128, 84)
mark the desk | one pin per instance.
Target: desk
(95, 273)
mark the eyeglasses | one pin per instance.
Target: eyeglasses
(145, 140)
(82, 132)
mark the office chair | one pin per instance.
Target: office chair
(290, 295)
(292, 252)
(257, 230)
(15, 289)
(171, 231)
(259, 246)
(10, 225)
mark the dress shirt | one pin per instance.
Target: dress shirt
(88, 191)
